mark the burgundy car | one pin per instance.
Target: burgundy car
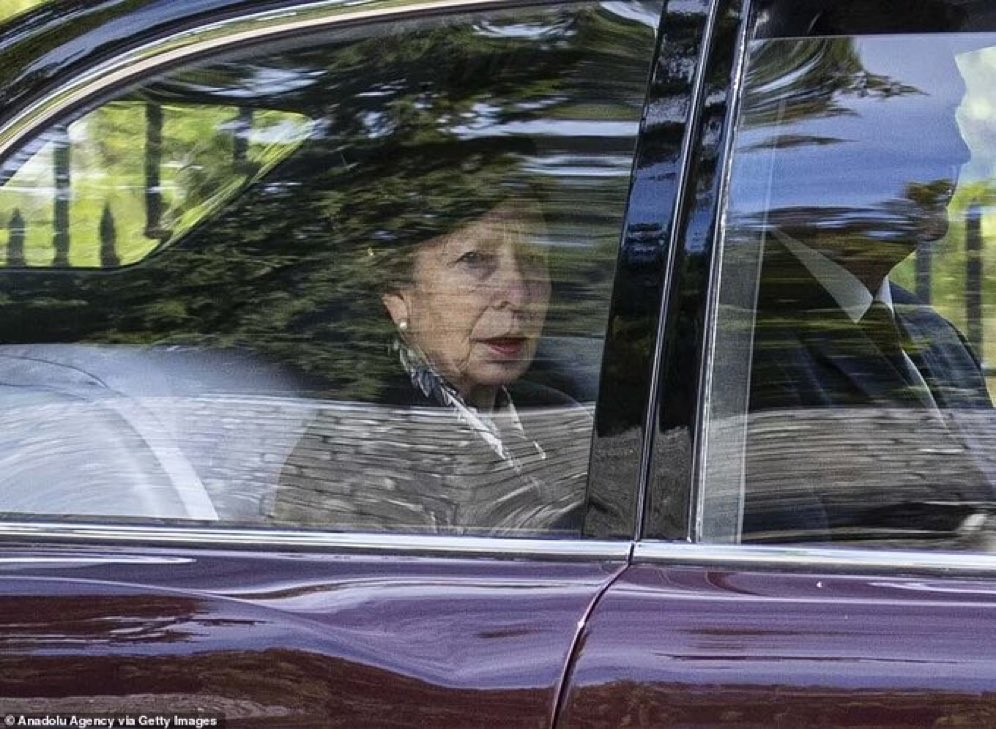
(498, 363)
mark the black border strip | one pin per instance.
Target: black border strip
(670, 503)
(620, 445)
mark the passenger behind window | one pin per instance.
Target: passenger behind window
(459, 276)
(850, 367)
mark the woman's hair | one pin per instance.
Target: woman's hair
(392, 267)
(378, 212)
(412, 199)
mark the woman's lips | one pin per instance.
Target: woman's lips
(507, 348)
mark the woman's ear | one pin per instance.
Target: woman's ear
(396, 306)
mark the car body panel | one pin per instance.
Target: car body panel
(293, 639)
(697, 646)
(648, 257)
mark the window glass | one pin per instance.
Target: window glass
(350, 282)
(851, 399)
(86, 200)
(12, 8)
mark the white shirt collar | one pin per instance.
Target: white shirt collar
(852, 296)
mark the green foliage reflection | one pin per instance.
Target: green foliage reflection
(416, 127)
(12, 8)
(141, 174)
(976, 194)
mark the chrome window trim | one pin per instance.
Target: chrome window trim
(803, 558)
(216, 35)
(371, 543)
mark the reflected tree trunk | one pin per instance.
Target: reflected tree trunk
(243, 128)
(63, 194)
(108, 240)
(153, 162)
(15, 243)
(973, 275)
(924, 259)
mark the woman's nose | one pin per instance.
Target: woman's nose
(515, 283)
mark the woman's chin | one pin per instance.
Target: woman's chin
(498, 374)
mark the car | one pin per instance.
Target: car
(562, 364)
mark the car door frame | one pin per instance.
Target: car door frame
(716, 635)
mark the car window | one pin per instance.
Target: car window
(84, 199)
(355, 281)
(851, 395)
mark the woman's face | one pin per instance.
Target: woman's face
(477, 301)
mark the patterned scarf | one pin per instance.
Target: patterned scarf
(431, 384)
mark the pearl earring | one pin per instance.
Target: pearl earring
(403, 325)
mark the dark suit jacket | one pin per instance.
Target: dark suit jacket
(839, 445)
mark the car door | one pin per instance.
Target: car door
(208, 510)
(815, 547)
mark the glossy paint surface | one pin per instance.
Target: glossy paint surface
(290, 639)
(621, 447)
(694, 647)
(668, 497)
(59, 39)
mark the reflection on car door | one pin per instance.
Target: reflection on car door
(708, 646)
(290, 639)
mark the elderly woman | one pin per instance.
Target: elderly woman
(469, 309)
(460, 442)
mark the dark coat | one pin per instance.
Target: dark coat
(839, 446)
(411, 465)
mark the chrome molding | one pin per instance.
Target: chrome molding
(259, 539)
(803, 558)
(213, 36)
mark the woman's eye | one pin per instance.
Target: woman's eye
(475, 258)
